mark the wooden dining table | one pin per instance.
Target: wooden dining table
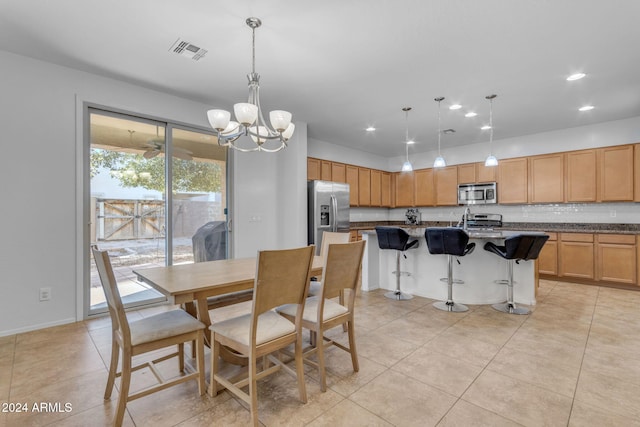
(189, 283)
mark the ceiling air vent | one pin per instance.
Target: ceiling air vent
(187, 49)
(448, 131)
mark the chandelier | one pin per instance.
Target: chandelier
(250, 122)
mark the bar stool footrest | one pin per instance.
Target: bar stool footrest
(454, 281)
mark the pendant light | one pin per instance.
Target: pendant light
(439, 162)
(491, 159)
(406, 166)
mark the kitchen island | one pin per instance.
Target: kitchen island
(479, 271)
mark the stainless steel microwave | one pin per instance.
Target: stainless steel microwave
(477, 194)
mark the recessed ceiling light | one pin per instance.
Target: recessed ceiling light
(411, 141)
(455, 107)
(471, 114)
(586, 108)
(576, 76)
(370, 129)
(485, 127)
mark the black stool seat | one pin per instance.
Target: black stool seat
(448, 241)
(394, 238)
(520, 247)
(452, 242)
(398, 239)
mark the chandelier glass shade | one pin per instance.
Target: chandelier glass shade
(439, 161)
(406, 166)
(491, 159)
(249, 121)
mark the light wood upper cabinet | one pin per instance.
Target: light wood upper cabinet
(616, 256)
(376, 190)
(405, 189)
(446, 183)
(325, 170)
(467, 173)
(512, 181)
(615, 167)
(364, 187)
(352, 176)
(486, 173)
(385, 189)
(338, 172)
(636, 151)
(546, 178)
(576, 255)
(425, 190)
(313, 169)
(581, 176)
(548, 258)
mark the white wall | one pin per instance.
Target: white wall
(338, 153)
(40, 171)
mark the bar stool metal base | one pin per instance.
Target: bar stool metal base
(510, 308)
(450, 306)
(397, 295)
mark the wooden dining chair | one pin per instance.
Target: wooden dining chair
(282, 277)
(322, 312)
(142, 336)
(328, 238)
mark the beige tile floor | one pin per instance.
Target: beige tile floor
(575, 361)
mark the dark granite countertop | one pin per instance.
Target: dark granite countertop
(532, 226)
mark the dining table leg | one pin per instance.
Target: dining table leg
(225, 353)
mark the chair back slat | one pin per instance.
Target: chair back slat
(282, 277)
(110, 286)
(330, 237)
(342, 268)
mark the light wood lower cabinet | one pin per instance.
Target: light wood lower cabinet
(607, 258)
(576, 255)
(616, 256)
(548, 258)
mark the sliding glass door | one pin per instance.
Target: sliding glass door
(136, 216)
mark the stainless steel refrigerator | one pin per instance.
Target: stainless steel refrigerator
(328, 209)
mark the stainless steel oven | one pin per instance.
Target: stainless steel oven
(477, 194)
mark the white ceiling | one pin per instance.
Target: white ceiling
(343, 65)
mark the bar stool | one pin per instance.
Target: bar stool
(516, 248)
(398, 239)
(451, 242)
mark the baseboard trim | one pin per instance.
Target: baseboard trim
(36, 327)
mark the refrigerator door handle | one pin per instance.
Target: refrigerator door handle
(334, 213)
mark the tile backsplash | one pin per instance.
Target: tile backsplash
(613, 213)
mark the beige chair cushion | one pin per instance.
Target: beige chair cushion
(270, 326)
(163, 325)
(331, 309)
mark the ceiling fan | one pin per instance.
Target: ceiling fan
(157, 146)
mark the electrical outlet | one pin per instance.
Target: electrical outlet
(612, 213)
(45, 294)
